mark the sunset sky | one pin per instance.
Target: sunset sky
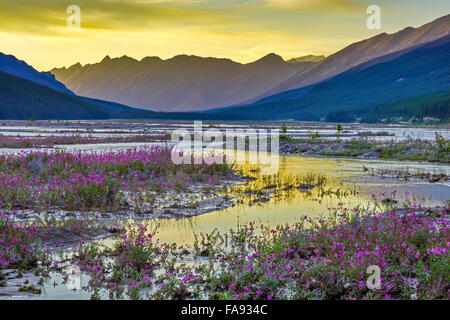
(242, 30)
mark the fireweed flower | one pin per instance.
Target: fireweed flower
(93, 181)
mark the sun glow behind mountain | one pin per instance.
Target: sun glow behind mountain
(242, 30)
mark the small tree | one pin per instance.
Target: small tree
(442, 143)
(283, 135)
(339, 131)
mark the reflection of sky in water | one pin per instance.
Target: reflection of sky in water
(289, 206)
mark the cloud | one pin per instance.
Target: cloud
(243, 30)
(316, 5)
(49, 17)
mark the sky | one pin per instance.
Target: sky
(241, 30)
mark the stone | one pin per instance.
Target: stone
(371, 155)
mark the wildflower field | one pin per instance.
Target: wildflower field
(42, 180)
(51, 141)
(312, 259)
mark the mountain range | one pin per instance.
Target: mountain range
(366, 50)
(22, 99)
(412, 72)
(190, 83)
(26, 93)
(406, 73)
(182, 83)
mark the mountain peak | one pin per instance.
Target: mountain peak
(72, 68)
(106, 59)
(270, 58)
(185, 58)
(125, 57)
(151, 59)
(406, 30)
(119, 60)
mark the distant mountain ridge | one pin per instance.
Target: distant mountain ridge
(27, 93)
(178, 84)
(420, 70)
(308, 58)
(22, 99)
(363, 51)
(191, 83)
(13, 66)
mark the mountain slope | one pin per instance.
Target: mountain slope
(309, 58)
(178, 84)
(117, 107)
(363, 51)
(11, 65)
(21, 99)
(436, 105)
(422, 70)
(24, 99)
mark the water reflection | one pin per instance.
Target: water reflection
(343, 183)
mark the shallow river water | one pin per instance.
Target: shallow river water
(347, 183)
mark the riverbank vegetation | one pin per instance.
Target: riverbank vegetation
(105, 182)
(408, 174)
(312, 259)
(51, 141)
(412, 149)
(323, 258)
